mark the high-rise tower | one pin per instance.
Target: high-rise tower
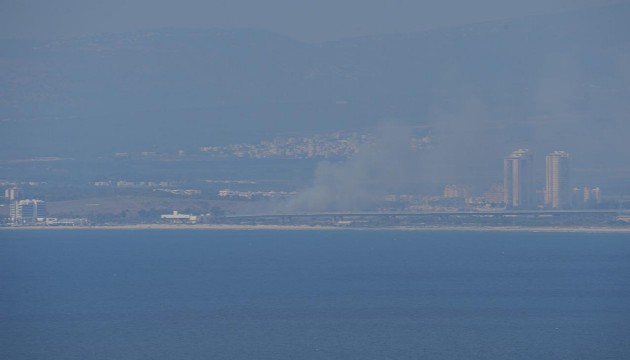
(518, 179)
(558, 180)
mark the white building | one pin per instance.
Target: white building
(12, 194)
(27, 210)
(176, 217)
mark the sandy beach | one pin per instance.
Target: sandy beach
(315, 228)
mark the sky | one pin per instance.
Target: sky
(311, 21)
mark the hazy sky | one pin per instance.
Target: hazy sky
(304, 20)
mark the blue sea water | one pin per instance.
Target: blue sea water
(161, 294)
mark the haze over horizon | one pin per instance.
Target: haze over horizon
(483, 79)
(322, 21)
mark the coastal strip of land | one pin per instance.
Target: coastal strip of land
(568, 229)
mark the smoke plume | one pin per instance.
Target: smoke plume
(382, 166)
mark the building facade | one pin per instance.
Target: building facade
(27, 210)
(558, 188)
(176, 217)
(456, 191)
(12, 194)
(518, 179)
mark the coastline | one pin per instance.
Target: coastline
(211, 227)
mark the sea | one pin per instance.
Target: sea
(267, 294)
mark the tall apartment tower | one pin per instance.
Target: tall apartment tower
(518, 179)
(558, 180)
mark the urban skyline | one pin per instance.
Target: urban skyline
(518, 192)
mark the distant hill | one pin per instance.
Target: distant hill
(554, 81)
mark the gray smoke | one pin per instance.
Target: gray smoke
(385, 165)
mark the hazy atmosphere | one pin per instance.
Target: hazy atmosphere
(162, 92)
(319, 21)
(315, 180)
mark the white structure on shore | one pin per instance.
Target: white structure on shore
(27, 210)
(176, 217)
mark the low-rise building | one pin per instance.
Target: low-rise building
(178, 218)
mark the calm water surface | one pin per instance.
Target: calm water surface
(313, 295)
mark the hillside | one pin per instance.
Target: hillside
(554, 81)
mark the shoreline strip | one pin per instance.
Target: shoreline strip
(211, 227)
